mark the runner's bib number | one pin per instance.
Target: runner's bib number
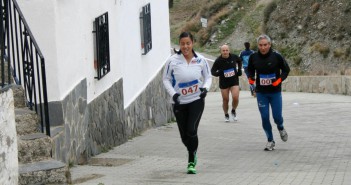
(229, 72)
(266, 79)
(189, 88)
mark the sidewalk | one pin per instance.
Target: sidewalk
(318, 150)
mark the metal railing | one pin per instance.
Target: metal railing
(24, 60)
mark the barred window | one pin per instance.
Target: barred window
(145, 29)
(102, 46)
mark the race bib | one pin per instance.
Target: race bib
(229, 72)
(266, 79)
(189, 88)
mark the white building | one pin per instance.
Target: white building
(63, 30)
(98, 114)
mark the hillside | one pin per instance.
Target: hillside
(313, 35)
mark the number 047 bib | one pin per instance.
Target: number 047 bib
(188, 88)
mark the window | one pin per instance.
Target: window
(145, 29)
(102, 48)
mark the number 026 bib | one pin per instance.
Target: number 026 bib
(266, 79)
(188, 88)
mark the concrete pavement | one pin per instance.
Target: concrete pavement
(318, 150)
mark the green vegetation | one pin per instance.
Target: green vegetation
(70, 164)
(288, 51)
(105, 149)
(230, 24)
(294, 27)
(171, 120)
(215, 12)
(253, 20)
(222, 18)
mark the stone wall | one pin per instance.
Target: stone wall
(318, 84)
(106, 123)
(310, 84)
(71, 141)
(152, 108)
(8, 139)
(90, 129)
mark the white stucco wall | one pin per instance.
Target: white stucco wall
(139, 69)
(63, 30)
(43, 28)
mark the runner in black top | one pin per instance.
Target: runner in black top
(268, 68)
(228, 68)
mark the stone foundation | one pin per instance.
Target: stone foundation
(71, 141)
(151, 109)
(310, 84)
(106, 123)
(90, 129)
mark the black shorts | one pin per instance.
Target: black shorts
(226, 83)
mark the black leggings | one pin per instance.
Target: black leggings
(188, 117)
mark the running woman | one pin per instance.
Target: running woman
(268, 68)
(228, 68)
(187, 79)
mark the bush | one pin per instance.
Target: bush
(213, 7)
(216, 12)
(193, 26)
(347, 8)
(297, 60)
(288, 52)
(338, 52)
(268, 10)
(322, 48)
(203, 36)
(347, 51)
(315, 7)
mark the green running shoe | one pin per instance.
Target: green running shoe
(191, 168)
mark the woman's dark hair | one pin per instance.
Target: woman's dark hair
(186, 34)
(183, 35)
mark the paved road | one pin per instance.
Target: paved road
(318, 150)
